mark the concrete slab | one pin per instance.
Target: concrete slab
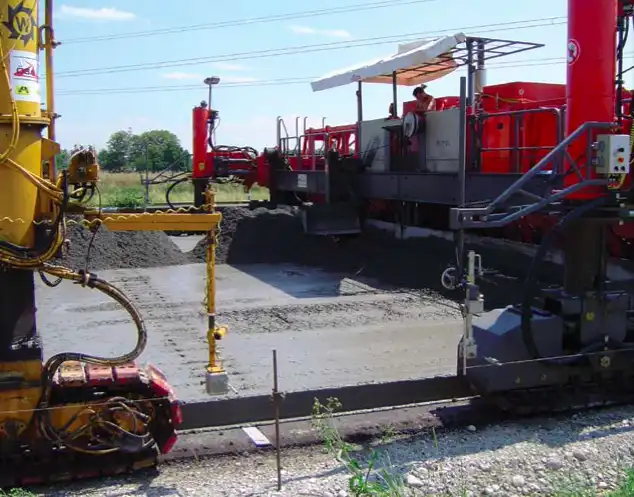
(329, 330)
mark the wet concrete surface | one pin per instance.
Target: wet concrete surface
(328, 329)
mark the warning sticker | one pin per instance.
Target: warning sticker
(25, 79)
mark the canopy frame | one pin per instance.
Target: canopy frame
(473, 53)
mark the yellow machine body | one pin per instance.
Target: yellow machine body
(73, 403)
(20, 105)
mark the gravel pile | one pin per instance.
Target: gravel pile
(115, 250)
(586, 455)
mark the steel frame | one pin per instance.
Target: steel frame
(487, 217)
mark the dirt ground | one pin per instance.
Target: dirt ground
(362, 310)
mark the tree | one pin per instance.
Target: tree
(62, 159)
(156, 149)
(116, 155)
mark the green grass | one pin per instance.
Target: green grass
(626, 488)
(579, 488)
(370, 472)
(16, 492)
(126, 190)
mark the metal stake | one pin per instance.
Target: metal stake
(276, 406)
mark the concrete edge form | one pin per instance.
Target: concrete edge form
(260, 408)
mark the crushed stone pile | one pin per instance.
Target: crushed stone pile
(120, 250)
(276, 236)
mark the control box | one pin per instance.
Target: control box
(613, 154)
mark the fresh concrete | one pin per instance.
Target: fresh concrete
(328, 330)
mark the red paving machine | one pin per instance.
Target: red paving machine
(217, 163)
(524, 160)
(389, 169)
(71, 415)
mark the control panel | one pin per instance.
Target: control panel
(613, 154)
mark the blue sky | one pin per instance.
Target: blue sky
(248, 113)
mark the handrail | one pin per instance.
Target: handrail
(547, 159)
(463, 217)
(516, 122)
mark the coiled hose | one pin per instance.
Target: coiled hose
(52, 365)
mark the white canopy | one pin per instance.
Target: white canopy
(415, 63)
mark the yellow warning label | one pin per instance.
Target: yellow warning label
(201, 166)
(23, 90)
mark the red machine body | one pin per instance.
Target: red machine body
(212, 162)
(200, 125)
(590, 95)
(518, 123)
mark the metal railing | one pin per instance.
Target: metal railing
(302, 144)
(484, 217)
(517, 118)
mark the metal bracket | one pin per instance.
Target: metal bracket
(496, 215)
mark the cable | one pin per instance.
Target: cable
(168, 192)
(250, 21)
(302, 49)
(271, 82)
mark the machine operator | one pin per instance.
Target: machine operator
(424, 101)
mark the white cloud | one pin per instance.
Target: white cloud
(331, 33)
(227, 66)
(103, 14)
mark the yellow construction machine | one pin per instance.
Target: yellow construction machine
(73, 415)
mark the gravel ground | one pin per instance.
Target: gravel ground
(582, 455)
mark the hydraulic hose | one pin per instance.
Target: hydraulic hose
(168, 192)
(51, 366)
(530, 286)
(113, 292)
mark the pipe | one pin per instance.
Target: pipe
(49, 46)
(200, 118)
(590, 90)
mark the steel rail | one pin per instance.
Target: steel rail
(260, 409)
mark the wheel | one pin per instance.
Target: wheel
(448, 279)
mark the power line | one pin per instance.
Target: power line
(278, 82)
(303, 49)
(248, 21)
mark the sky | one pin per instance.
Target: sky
(197, 47)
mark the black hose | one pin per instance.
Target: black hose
(27, 252)
(530, 287)
(171, 187)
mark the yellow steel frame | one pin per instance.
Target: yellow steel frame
(205, 222)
